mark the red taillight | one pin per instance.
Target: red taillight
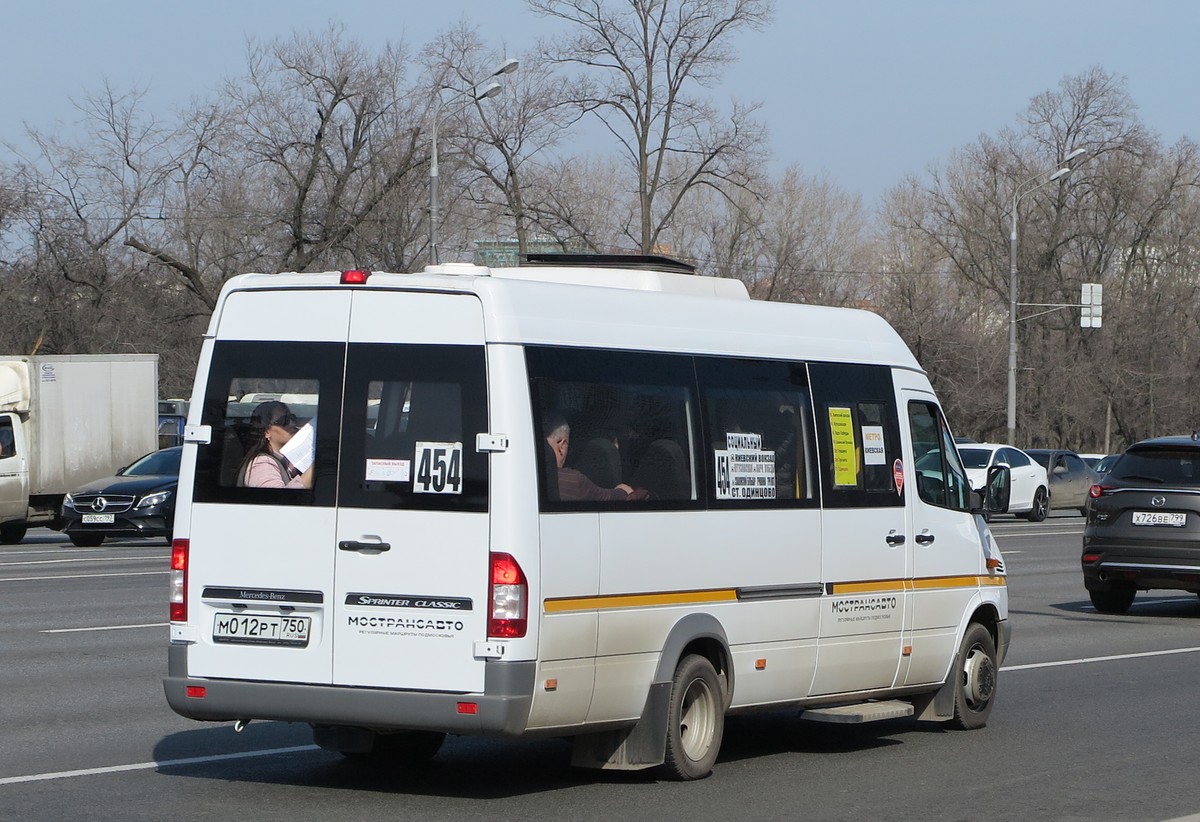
(1091, 557)
(179, 561)
(355, 277)
(196, 691)
(510, 598)
(1097, 491)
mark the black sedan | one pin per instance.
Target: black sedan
(138, 502)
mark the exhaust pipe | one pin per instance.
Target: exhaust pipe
(240, 725)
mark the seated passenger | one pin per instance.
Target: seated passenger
(264, 466)
(574, 485)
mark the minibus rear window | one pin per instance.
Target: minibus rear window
(412, 417)
(273, 409)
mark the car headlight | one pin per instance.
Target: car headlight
(69, 502)
(154, 499)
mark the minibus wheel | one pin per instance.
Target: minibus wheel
(975, 678)
(695, 720)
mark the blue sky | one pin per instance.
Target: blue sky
(866, 91)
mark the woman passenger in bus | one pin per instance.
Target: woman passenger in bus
(574, 485)
(264, 466)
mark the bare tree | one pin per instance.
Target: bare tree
(642, 62)
(502, 142)
(78, 288)
(1117, 219)
(298, 160)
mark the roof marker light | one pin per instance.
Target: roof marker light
(355, 276)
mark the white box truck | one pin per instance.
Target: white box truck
(65, 420)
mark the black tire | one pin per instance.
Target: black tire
(1041, 505)
(974, 674)
(1114, 600)
(12, 532)
(86, 540)
(695, 720)
(403, 748)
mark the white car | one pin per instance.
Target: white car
(1030, 495)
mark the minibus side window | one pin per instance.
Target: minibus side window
(413, 415)
(758, 431)
(273, 409)
(938, 471)
(858, 435)
(621, 420)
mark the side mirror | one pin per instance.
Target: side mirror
(1059, 469)
(993, 497)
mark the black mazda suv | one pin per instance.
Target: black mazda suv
(1143, 524)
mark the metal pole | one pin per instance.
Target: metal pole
(1012, 326)
(434, 193)
(474, 93)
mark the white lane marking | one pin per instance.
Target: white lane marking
(55, 551)
(84, 576)
(83, 559)
(102, 628)
(144, 766)
(1086, 660)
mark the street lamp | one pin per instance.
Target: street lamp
(474, 93)
(1027, 187)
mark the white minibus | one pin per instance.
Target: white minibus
(590, 497)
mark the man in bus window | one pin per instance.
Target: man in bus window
(574, 485)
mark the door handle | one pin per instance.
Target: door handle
(354, 545)
(894, 539)
(924, 539)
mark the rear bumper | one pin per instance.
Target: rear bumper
(1107, 565)
(502, 710)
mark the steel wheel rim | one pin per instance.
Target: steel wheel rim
(696, 719)
(979, 678)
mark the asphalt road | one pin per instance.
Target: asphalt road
(1094, 720)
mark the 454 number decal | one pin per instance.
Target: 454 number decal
(439, 468)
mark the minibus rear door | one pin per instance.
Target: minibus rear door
(411, 582)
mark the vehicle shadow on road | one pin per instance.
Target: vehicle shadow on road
(465, 767)
(482, 768)
(1146, 604)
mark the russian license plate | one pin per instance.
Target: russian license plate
(1159, 518)
(261, 629)
(97, 519)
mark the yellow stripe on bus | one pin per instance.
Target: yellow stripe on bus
(638, 600)
(650, 600)
(920, 584)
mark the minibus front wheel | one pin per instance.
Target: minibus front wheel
(975, 678)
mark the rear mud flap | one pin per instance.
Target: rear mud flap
(641, 745)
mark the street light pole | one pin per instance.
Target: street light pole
(1029, 186)
(474, 93)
